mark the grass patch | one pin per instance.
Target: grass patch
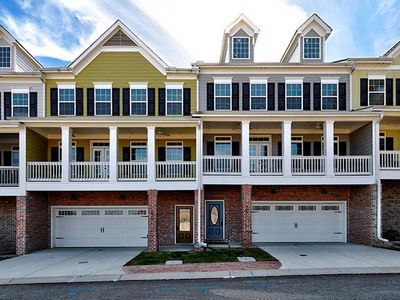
(209, 256)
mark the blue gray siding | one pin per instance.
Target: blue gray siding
(241, 33)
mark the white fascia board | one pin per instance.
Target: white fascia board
(102, 85)
(138, 85)
(20, 91)
(223, 80)
(376, 76)
(66, 85)
(174, 85)
(258, 80)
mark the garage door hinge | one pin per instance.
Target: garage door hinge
(143, 237)
(59, 216)
(337, 233)
(144, 216)
(338, 212)
(59, 238)
(255, 233)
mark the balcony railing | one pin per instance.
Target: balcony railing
(90, 171)
(132, 170)
(9, 176)
(353, 165)
(222, 165)
(43, 171)
(266, 165)
(308, 165)
(390, 160)
(176, 170)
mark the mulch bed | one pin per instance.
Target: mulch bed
(206, 267)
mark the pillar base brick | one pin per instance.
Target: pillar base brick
(195, 213)
(152, 237)
(246, 216)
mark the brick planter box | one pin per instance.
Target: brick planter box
(206, 267)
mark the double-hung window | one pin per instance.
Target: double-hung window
(329, 94)
(294, 94)
(174, 97)
(5, 57)
(258, 94)
(240, 47)
(223, 92)
(297, 145)
(20, 103)
(73, 151)
(382, 141)
(139, 151)
(223, 145)
(311, 48)
(15, 156)
(376, 90)
(102, 99)
(66, 99)
(174, 151)
(138, 99)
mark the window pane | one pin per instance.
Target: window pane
(222, 90)
(103, 109)
(258, 89)
(329, 90)
(329, 103)
(222, 103)
(240, 48)
(15, 158)
(376, 99)
(139, 154)
(311, 48)
(138, 95)
(5, 57)
(376, 85)
(20, 98)
(258, 96)
(293, 89)
(174, 102)
(20, 111)
(138, 109)
(67, 95)
(296, 148)
(174, 95)
(223, 149)
(174, 109)
(293, 103)
(103, 95)
(174, 154)
(67, 109)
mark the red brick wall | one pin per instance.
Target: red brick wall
(390, 205)
(246, 216)
(7, 224)
(166, 213)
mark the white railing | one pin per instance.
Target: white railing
(266, 165)
(308, 165)
(390, 159)
(222, 165)
(132, 170)
(176, 170)
(43, 171)
(353, 165)
(9, 176)
(90, 171)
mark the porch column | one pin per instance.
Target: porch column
(22, 158)
(245, 148)
(152, 235)
(287, 148)
(113, 154)
(199, 152)
(246, 216)
(151, 155)
(329, 147)
(66, 135)
(376, 158)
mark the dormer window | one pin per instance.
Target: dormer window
(312, 48)
(240, 47)
(5, 57)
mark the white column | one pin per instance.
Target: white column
(199, 152)
(66, 135)
(113, 154)
(22, 157)
(151, 155)
(376, 159)
(329, 147)
(245, 148)
(287, 147)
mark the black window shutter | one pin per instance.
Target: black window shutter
(279, 148)
(115, 101)
(161, 102)
(33, 104)
(307, 148)
(210, 148)
(281, 96)
(79, 101)
(398, 91)
(210, 96)
(306, 96)
(317, 95)
(161, 153)
(186, 101)
(7, 105)
(317, 148)
(151, 105)
(54, 153)
(126, 102)
(389, 144)
(126, 153)
(271, 96)
(342, 96)
(246, 96)
(7, 158)
(363, 92)
(389, 91)
(53, 102)
(342, 148)
(90, 101)
(235, 96)
(187, 154)
(235, 148)
(80, 154)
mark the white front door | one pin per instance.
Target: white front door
(298, 222)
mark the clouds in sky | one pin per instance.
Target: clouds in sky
(183, 31)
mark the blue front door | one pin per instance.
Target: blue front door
(214, 220)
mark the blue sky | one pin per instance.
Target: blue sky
(184, 31)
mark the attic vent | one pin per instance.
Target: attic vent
(119, 39)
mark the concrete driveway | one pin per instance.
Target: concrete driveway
(68, 262)
(330, 255)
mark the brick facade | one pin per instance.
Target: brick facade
(195, 212)
(246, 216)
(152, 237)
(390, 205)
(7, 224)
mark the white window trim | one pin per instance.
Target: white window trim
(294, 81)
(132, 146)
(222, 81)
(312, 37)
(11, 57)
(92, 147)
(227, 141)
(66, 86)
(73, 145)
(269, 142)
(248, 42)
(20, 91)
(102, 86)
(297, 142)
(139, 86)
(260, 81)
(174, 147)
(330, 81)
(377, 77)
(336, 140)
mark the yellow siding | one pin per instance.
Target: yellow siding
(395, 135)
(36, 146)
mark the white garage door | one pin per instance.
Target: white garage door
(100, 226)
(298, 222)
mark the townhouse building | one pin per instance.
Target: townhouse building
(120, 149)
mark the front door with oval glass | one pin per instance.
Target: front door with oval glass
(184, 224)
(214, 220)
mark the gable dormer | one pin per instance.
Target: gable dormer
(238, 41)
(308, 42)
